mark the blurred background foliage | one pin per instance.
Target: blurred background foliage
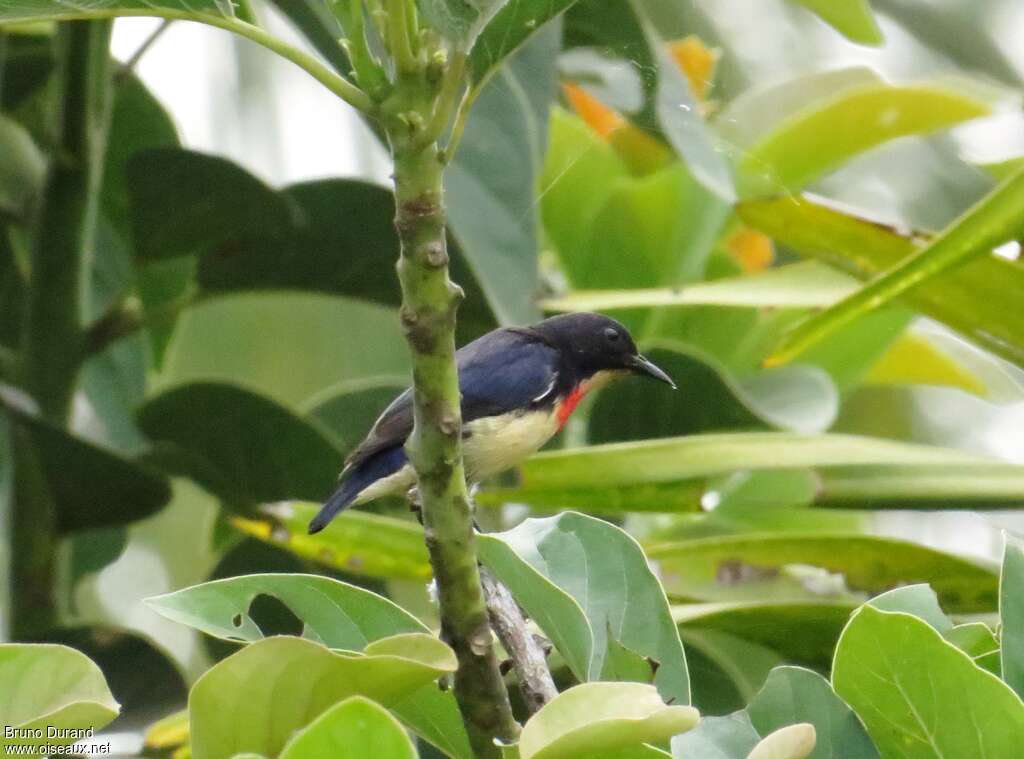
(708, 171)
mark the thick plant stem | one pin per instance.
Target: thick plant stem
(53, 335)
(429, 303)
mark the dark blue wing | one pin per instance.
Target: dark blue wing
(504, 370)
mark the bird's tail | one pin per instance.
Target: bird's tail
(376, 467)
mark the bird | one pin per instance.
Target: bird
(518, 387)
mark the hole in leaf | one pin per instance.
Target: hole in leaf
(237, 620)
(273, 617)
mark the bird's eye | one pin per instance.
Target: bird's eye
(611, 335)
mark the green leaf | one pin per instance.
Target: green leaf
(573, 572)
(1011, 614)
(977, 640)
(49, 686)
(919, 600)
(978, 299)
(792, 742)
(672, 474)
(733, 670)
(29, 10)
(793, 695)
(753, 567)
(362, 543)
(771, 624)
(305, 343)
(327, 236)
(802, 399)
(851, 18)
(800, 285)
(680, 119)
(990, 222)
(240, 445)
(511, 26)
(918, 695)
(92, 486)
(591, 718)
(288, 682)
(828, 133)
(340, 615)
(459, 21)
(21, 174)
(490, 186)
(348, 410)
(731, 737)
(354, 729)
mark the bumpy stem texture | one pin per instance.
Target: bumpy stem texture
(430, 300)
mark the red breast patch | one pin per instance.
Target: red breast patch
(566, 407)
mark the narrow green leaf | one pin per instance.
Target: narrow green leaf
(49, 686)
(288, 682)
(511, 26)
(919, 696)
(826, 134)
(601, 717)
(240, 445)
(979, 299)
(1011, 614)
(753, 567)
(792, 695)
(605, 571)
(29, 10)
(353, 729)
(800, 285)
(851, 18)
(992, 221)
(363, 543)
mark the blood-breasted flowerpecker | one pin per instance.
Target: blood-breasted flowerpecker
(518, 384)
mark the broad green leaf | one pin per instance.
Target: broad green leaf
(978, 299)
(793, 695)
(792, 742)
(490, 185)
(731, 737)
(459, 21)
(991, 221)
(21, 174)
(239, 445)
(602, 575)
(510, 27)
(813, 141)
(851, 18)
(354, 729)
(918, 695)
(977, 640)
(729, 669)
(320, 27)
(775, 565)
(49, 686)
(601, 717)
(919, 600)
(771, 624)
(91, 486)
(339, 615)
(251, 237)
(1011, 614)
(288, 682)
(305, 343)
(362, 543)
(348, 410)
(800, 285)
(802, 399)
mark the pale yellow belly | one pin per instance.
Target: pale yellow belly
(494, 444)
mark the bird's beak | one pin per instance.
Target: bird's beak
(642, 365)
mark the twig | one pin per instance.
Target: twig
(528, 660)
(129, 65)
